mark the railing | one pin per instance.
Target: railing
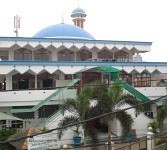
(133, 91)
(47, 99)
(49, 119)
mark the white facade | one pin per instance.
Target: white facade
(37, 74)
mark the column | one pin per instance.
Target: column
(130, 56)
(8, 82)
(94, 55)
(36, 85)
(32, 55)
(113, 55)
(11, 55)
(54, 55)
(75, 56)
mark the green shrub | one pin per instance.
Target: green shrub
(4, 135)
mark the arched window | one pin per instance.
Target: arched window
(126, 77)
(22, 54)
(83, 55)
(121, 56)
(65, 55)
(142, 80)
(105, 55)
(42, 54)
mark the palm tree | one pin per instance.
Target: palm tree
(110, 99)
(79, 108)
(162, 115)
(162, 112)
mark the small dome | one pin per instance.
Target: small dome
(64, 31)
(78, 11)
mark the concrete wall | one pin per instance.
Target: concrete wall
(31, 97)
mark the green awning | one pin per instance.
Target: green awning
(108, 69)
(4, 116)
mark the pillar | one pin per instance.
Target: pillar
(150, 139)
(54, 55)
(33, 55)
(94, 55)
(130, 56)
(8, 82)
(75, 56)
(113, 55)
(11, 55)
(36, 85)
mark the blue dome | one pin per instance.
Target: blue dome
(78, 11)
(64, 31)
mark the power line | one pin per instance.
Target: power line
(83, 121)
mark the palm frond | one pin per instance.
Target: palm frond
(132, 101)
(87, 91)
(99, 89)
(69, 104)
(83, 101)
(115, 91)
(64, 122)
(162, 115)
(126, 122)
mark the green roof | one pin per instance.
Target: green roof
(108, 69)
(4, 116)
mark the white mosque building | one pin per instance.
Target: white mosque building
(37, 73)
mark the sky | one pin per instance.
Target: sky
(122, 20)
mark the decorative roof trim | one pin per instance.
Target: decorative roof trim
(29, 39)
(82, 63)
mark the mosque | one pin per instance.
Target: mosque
(37, 73)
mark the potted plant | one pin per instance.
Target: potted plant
(77, 136)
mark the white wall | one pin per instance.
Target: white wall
(68, 134)
(31, 97)
(60, 83)
(152, 91)
(140, 122)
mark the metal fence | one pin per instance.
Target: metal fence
(139, 144)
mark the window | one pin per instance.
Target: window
(42, 54)
(25, 115)
(105, 55)
(121, 56)
(142, 80)
(84, 55)
(56, 76)
(68, 77)
(126, 77)
(47, 110)
(22, 54)
(17, 124)
(65, 55)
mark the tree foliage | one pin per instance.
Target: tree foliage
(162, 115)
(79, 108)
(111, 99)
(108, 99)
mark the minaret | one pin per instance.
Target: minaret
(78, 16)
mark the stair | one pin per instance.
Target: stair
(133, 91)
(46, 100)
(49, 119)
